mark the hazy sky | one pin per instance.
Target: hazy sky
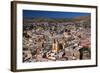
(51, 14)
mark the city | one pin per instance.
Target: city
(56, 39)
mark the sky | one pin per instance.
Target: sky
(51, 14)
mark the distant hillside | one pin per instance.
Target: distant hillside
(84, 20)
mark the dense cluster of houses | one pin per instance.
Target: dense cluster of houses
(56, 42)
